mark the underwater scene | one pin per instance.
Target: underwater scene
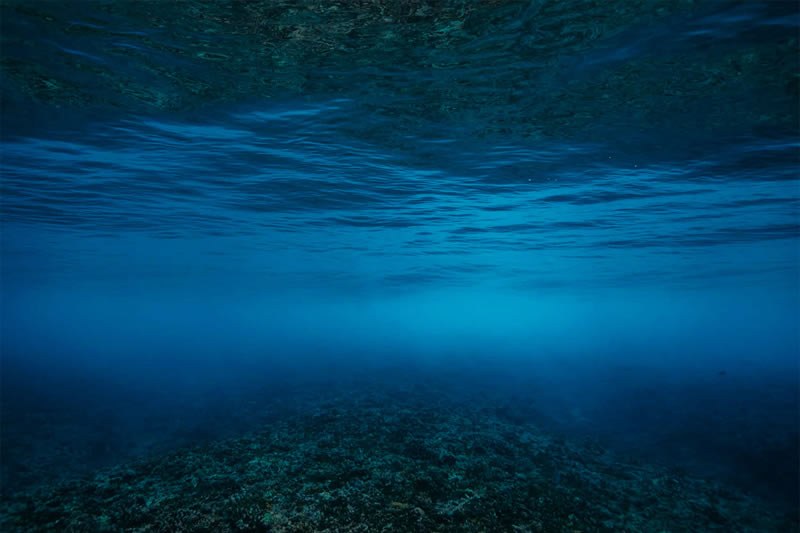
(282, 266)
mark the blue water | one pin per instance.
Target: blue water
(596, 206)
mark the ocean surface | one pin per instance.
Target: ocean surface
(575, 220)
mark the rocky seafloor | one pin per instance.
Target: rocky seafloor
(367, 459)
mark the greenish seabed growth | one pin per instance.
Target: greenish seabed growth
(368, 460)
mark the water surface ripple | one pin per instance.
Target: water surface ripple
(381, 145)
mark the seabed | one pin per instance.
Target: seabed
(371, 459)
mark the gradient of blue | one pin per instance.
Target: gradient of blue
(176, 252)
